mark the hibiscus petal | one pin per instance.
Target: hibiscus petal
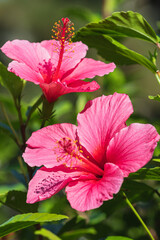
(40, 156)
(43, 146)
(25, 52)
(90, 193)
(51, 46)
(48, 181)
(73, 53)
(56, 89)
(100, 120)
(132, 147)
(89, 68)
(25, 72)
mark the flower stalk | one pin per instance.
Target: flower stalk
(138, 216)
(22, 125)
(22, 169)
(33, 108)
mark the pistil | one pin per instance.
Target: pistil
(62, 32)
(72, 155)
(92, 167)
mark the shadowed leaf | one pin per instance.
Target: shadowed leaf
(17, 201)
(12, 82)
(147, 174)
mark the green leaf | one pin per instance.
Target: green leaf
(5, 129)
(112, 50)
(156, 160)
(157, 98)
(25, 220)
(6, 188)
(74, 234)
(121, 24)
(17, 201)
(81, 102)
(147, 174)
(118, 238)
(124, 24)
(46, 233)
(135, 191)
(63, 107)
(12, 82)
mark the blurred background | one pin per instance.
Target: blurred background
(33, 20)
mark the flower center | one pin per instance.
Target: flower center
(46, 69)
(72, 155)
(67, 151)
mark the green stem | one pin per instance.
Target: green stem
(43, 123)
(156, 191)
(46, 112)
(10, 125)
(138, 216)
(23, 133)
(22, 125)
(22, 168)
(33, 108)
(38, 227)
(18, 107)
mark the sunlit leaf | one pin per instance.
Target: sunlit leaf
(25, 220)
(157, 98)
(156, 160)
(46, 233)
(118, 238)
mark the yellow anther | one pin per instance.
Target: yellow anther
(63, 29)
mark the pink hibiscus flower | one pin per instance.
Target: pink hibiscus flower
(58, 66)
(91, 159)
